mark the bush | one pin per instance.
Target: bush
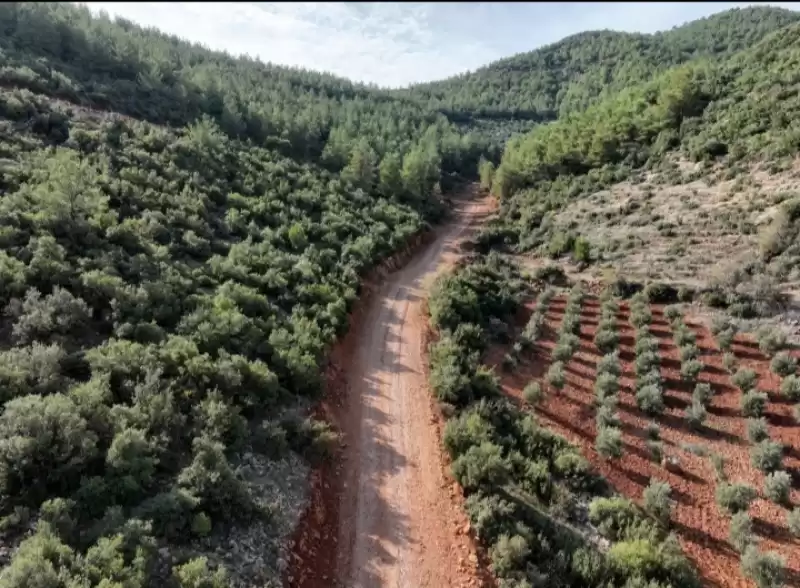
(634, 558)
(745, 379)
(533, 393)
(646, 346)
(609, 364)
(44, 442)
(509, 554)
(606, 417)
(729, 362)
(783, 364)
(672, 313)
(757, 430)
(766, 456)
(656, 449)
(650, 399)
(481, 466)
(653, 431)
(211, 478)
(640, 317)
(684, 336)
(606, 385)
(688, 352)
(702, 393)
(720, 324)
(733, 498)
(793, 521)
(658, 293)
(725, 339)
(740, 532)
(767, 569)
(656, 499)
(555, 375)
(718, 463)
(691, 369)
(609, 442)
(790, 388)
(695, 415)
(613, 517)
(606, 341)
(571, 323)
(753, 404)
(771, 340)
(645, 362)
(195, 574)
(777, 486)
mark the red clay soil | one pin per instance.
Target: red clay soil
(385, 511)
(700, 527)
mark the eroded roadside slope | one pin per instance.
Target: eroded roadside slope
(386, 512)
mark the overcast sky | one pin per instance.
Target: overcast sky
(398, 44)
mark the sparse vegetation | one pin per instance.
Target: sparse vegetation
(741, 534)
(734, 497)
(497, 449)
(777, 485)
(766, 569)
(766, 455)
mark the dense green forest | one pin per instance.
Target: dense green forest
(570, 75)
(182, 235)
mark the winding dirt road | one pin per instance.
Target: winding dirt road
(400, 522)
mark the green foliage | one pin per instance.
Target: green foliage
(695, 415)
(777, 486)
(757, 430)
(656, 500)
(783, 364)
(766, 455)
(614, 517)
(771, 340)
(702, 393)
(729, 362)
(753, 404)
(555, 375)
(609, 442)
(740, 533)
(733, 498)
(45, 445)
(650, 399)
(766, 569)
(691, 369)
(790, 387)
(718, 463)
(196, 574)
(533, 393)
(793, 521)
(745, 379)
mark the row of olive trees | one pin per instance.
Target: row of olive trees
(608, 440)
(521, 480)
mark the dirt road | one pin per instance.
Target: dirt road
(399, 518)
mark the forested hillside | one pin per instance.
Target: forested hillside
(182, 236)
(722, 116)
(568, 76)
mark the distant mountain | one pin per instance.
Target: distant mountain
(571, 74)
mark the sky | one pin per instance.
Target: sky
(397, 44)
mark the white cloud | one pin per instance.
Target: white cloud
(394, 44)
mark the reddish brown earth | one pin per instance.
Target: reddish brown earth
(702, 530)
(385, 511)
